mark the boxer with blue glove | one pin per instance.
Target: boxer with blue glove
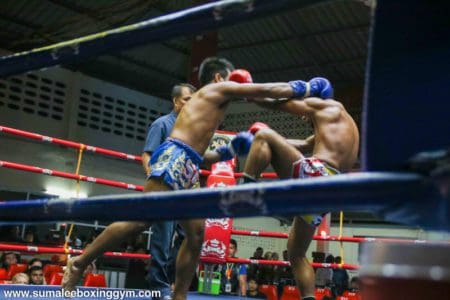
(317, 87)
(239, 145)
(333, 148)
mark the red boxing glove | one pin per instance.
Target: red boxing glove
(240, 76)
(256, 127)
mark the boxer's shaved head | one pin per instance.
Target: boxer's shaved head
(211, 66)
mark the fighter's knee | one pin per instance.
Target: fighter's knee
(264, 134)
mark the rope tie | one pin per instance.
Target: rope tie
(341, 226)
(77, 193)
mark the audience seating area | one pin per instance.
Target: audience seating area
(292, 293)
(49, 270)
(95, 280)
(56, 279)
(53, 275)
(347, 295)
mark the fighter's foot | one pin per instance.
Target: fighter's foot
(72, 275)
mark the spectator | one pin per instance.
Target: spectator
(354, 284)
(324, 276)
(30, 236)
(35, 262)
(36, 275)
(284, 274)
(77, 243)
(253, 289)
(285, 255)
(267, 255)
(266, 271)
(275, 256)
(340, 278)
(233, 276)
(275, 269)
(10, 258)
(253, 269)
(20, 278)
(258, 254)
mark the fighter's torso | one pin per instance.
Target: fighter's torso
(198, 120)
(336, 139)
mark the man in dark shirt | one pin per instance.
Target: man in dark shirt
(340, 278)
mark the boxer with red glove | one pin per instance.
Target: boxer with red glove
(240, 145)
(317, 87)
(257, 126)
(240, 76)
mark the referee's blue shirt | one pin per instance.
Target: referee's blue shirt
(158, 131)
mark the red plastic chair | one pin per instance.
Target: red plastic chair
(347, 295)
(16, 268)
(321, 292)
(270, 291)
(49, 269)
(95, 280)
(290, 292)
(3, 274)
(56, 278)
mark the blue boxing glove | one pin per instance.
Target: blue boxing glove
(316, 87)
(240, 145)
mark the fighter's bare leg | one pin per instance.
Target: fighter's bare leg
(299, 240)
(188, 256)
(269, 147)
(111, 238)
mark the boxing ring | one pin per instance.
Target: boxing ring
(406, 168)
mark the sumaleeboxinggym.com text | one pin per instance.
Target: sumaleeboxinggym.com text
(91, 293)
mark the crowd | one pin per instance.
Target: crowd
(37, 269)
(236, 279)
(245, 280)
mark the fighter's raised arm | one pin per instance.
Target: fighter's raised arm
(240, 85)
(304, 107)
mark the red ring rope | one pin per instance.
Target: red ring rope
(107, 152)
(28, 168)
(286, 263)
(283, 235)
(67, 143)
(60, 250)
(57, 250)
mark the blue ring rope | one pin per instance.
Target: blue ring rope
(190, 21)
(401, 197)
